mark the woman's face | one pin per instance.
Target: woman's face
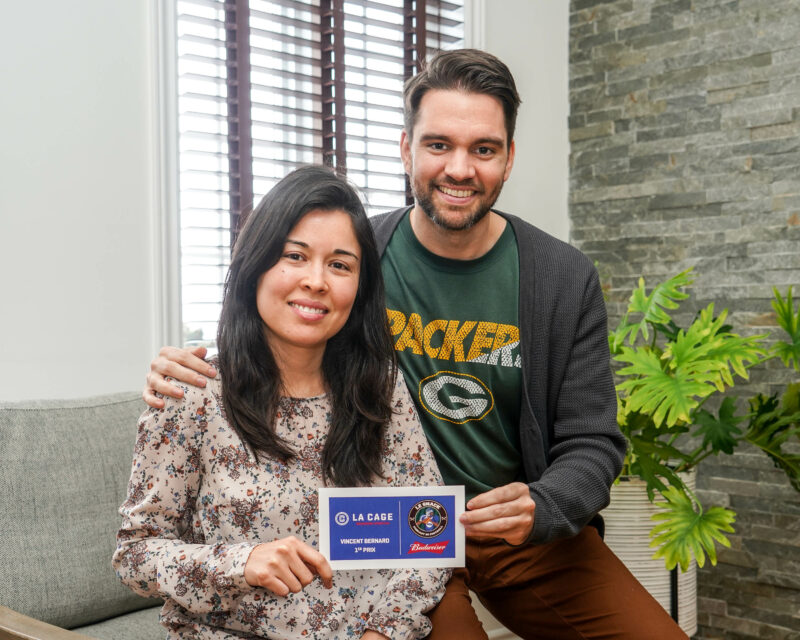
(306, 297)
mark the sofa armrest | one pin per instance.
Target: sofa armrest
(16, 626)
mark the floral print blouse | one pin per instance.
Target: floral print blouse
(198, 504)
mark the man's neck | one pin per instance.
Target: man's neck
(457, 245)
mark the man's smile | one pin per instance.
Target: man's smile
(456, 193)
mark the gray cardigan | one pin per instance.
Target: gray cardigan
(572, 448)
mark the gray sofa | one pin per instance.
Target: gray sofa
(64, 468)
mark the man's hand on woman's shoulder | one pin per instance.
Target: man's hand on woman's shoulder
(181, 364)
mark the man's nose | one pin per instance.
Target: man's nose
(459, 166)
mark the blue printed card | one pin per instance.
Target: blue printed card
(391, 527)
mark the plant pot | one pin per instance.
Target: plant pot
(628, 526)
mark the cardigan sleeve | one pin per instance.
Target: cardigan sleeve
(157, 554)
(586, 447)
(408, 461)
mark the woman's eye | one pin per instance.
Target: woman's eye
(343, 266)
(293, 255)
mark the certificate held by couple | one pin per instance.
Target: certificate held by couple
(391, 527)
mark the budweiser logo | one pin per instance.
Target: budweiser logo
(433, 547)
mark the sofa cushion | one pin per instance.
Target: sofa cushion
(64, 469)
(139, 625)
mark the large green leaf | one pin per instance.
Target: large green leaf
(709, 347)
(772, 426)
(651, 470)
(642, 425)
(668, 396)
(652, 307)
(789, 321)
(791, 398)
(720, 433)
(686, 530)
(737, 352)
(697, 363)
(651, 460)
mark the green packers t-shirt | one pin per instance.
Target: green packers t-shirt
(455, 325)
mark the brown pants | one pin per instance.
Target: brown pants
(567, 589)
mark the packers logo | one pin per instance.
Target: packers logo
(455, 397)
(427, 518)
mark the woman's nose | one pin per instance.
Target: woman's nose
(314, 277)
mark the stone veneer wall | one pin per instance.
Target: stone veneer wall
(685, 151)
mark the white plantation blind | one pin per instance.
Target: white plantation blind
(203, 164)
(266, 86)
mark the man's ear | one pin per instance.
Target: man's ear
(405, 152)
(509, 161)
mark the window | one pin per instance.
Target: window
(267, 85)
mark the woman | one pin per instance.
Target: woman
(221, 515)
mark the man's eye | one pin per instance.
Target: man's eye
(437, 146)
(485, 151)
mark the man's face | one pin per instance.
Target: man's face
(458, 158)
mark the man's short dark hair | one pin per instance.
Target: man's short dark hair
(467, 70)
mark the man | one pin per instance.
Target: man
(500, 331)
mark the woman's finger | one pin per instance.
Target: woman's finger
(277, 586)
(300, 570)
(318, 563)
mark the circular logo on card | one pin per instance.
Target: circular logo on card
(341, 518)
(427, 518)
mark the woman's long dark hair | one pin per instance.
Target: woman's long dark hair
(358, 366)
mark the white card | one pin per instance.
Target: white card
(391, 527)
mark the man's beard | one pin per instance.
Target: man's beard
(424, 199)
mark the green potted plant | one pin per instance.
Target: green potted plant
(669, 379)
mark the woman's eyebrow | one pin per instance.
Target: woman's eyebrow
(346, 252)
(305, 245)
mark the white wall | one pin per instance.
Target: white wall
(531, 37)
(76, 197)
